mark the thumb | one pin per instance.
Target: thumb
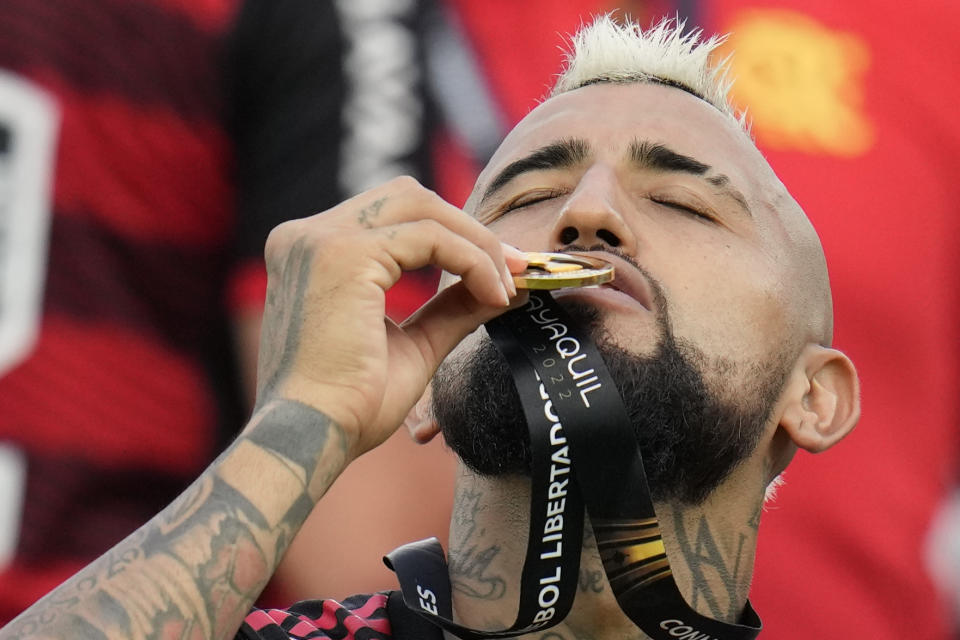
(420, 422)
(447, 318)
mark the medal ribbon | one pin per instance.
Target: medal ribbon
(575, 417)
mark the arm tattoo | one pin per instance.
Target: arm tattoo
(282, 320)
(196, 568)
(470, 559)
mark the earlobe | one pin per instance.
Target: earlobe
(823, 399)
(420, 421)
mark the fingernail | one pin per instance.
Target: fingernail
(506, 296)
(507, 279)
(512, 251)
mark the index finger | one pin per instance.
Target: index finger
(404, 200)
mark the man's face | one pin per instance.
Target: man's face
(718, 266)
(667, 188)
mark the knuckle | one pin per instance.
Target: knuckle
(490, 241)
(278, 241)
(485, 239)
(432, 196)
(429, 226)
(405, 183)
(411, 187)
(475, 261)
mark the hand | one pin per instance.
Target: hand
(326, 339)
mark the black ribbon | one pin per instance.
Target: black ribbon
(576, 420)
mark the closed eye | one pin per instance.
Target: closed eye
(531, 198)
(679, 206)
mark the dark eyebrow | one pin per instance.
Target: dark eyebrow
(557, 155)
(654, 156)
(650, 155)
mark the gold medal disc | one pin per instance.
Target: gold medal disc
(562, 270)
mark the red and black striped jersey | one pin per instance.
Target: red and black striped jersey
(182, 132)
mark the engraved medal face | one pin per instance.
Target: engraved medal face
(562, 270)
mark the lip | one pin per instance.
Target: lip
(628, 282)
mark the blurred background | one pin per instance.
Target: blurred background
(148, 146)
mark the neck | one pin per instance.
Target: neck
(710, 547)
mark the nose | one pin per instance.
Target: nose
(592, 216)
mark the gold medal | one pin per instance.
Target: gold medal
(561, 270)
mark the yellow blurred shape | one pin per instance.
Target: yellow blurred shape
(801, 81)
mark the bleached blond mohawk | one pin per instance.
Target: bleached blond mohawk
(608, 51)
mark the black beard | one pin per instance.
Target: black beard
(690, 439)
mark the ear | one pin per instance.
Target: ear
(821, 400)
(420, 421)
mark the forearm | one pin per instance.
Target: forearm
(195, 569)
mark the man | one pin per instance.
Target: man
(717, 334)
